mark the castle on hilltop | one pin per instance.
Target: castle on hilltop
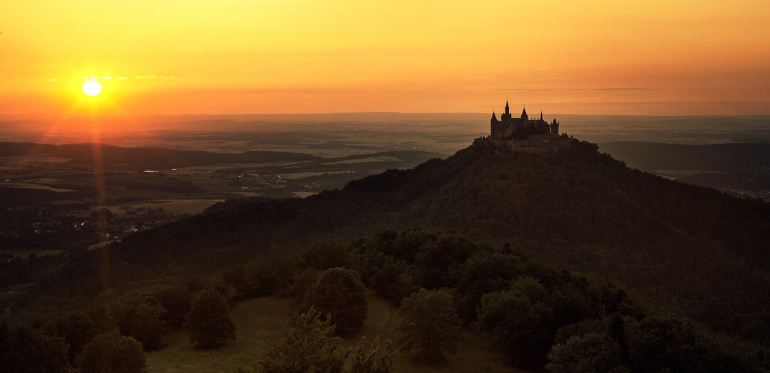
(510, 128)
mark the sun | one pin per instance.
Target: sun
(92, 88)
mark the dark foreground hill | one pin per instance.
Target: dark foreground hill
(691, 248)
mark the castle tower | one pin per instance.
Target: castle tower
(555, 127)
(506, 108)
(541, 115)
(494, 126)
(524, 115)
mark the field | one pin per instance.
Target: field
(23, 253)
(53, 189)
(259, 323)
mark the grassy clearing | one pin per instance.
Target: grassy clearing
(173, 206)
(259, 323)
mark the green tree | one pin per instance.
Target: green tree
(326, 255)
(78, 329)
(430, 324)
(517, 324)
(669, 343)
(112, 352)
(141, 321)
(208, 323)
(29, 350)
(176, 300)
(589, 353)
(339, 293)
(309, 346)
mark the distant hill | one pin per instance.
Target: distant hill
(139, 159)
(691, 248)
(736, 165)
(733, 157)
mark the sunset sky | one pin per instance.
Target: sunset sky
(310, 56)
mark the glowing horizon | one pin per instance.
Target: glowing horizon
(247, 57)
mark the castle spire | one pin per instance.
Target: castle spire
(494, 118)
(524, 114)
(541, 115)
(506, 107)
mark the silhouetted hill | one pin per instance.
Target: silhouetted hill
(690, 248)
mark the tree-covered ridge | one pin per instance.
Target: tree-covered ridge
(535, 313)
(687, 246)
(691, 248)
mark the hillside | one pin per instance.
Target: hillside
(691, 248)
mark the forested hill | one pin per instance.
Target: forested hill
(690, 248)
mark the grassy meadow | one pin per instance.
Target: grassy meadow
(259, 323)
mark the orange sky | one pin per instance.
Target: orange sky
(309, 56)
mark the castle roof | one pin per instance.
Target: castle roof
(523, 113)
(493, 115)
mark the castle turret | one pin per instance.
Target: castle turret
(541, 115)
(506, 108)
(494, 126)
(524, 114)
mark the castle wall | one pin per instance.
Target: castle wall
(533, 144)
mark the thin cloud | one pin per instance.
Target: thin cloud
(622, 89)
(154, 77)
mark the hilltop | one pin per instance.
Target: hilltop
(690, 248)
